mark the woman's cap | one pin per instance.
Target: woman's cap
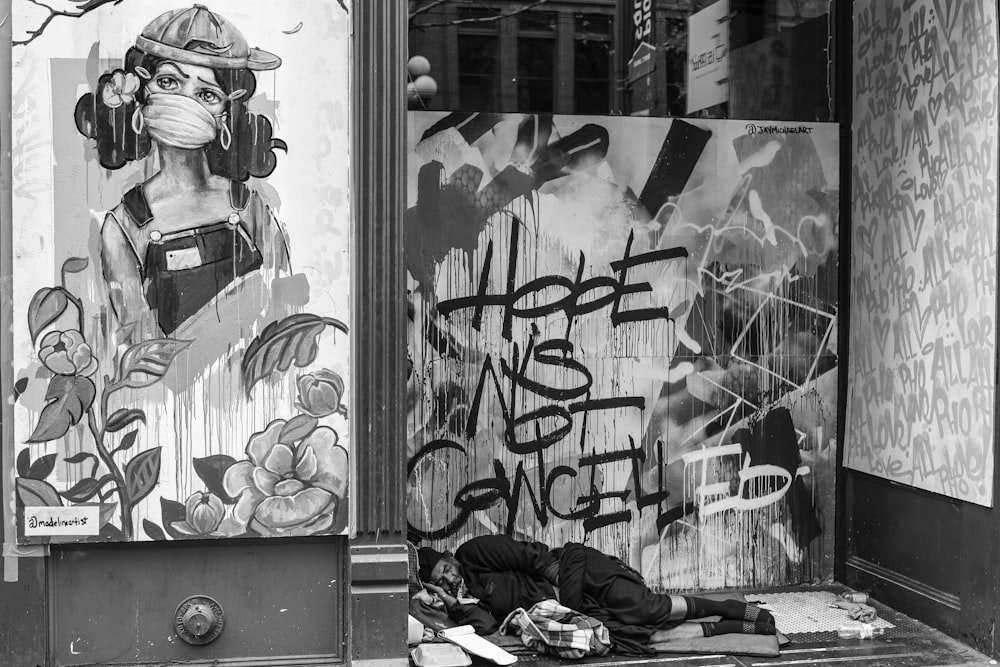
(199, 36)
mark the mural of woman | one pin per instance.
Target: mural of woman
(193, 230)
(172, 366)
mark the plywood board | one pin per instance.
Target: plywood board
(623, 332)
(181, 270)
(924, 244)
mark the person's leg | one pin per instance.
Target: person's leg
(733, 610)
(624, 596)
(632, 602)
(726, 627)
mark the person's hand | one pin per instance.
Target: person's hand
(424, 596)
(436, 590)
(446, 597)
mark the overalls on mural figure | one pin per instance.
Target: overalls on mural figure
(186, 236)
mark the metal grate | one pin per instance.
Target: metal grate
(807, 616)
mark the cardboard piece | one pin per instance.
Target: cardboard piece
(466, 637)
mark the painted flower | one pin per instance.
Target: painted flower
(294, 480)
(203, 514)
(320, 392)
(67, 353)
(119, 89)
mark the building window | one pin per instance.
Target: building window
(535, 74)
(536, 61)
(477, 79)
(592, 64)
(583, 56)
(478, 59)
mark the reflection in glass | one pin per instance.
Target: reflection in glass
(604, 57)
(535, 74)
(477, 78)
(592, 83)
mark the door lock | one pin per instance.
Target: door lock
(199, 620)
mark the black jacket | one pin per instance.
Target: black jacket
(505, 575)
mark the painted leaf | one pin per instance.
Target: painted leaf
(83, 456)
(141, 475)
(107, 512)
(24, 462)
(36, 493)
(293, 340)
(124, 333)
(154, 531)
(145, 363)
(67, 399)
(211, 470)
(172, 512)
(82, 491)
(42, 467)
(45, 308)
(20, 387)
(75, 264)
(297, 428)
(121, 418)
(128, 440)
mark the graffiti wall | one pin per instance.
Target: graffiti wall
(623, 333)
(924, 245)
(180, 263)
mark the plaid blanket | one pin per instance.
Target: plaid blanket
(413, 569)
(552, 629)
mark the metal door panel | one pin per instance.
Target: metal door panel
(116, 606)
(22, 612)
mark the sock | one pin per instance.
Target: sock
(737, 627)
(728, 609)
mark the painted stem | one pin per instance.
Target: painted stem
(105, 456)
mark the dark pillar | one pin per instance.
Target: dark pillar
(378, 595)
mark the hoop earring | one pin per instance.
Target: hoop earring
(225, 135)
(138, 120)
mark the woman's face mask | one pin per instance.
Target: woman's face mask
(178, 121)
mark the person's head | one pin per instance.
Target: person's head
(447, 573)
(442, 569)
(185, 83)
(214, 90)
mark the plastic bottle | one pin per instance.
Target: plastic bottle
(856, 598)
(859, 631)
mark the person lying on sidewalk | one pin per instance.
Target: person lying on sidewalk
(506, 574)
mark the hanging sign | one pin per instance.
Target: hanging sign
(708, 57)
